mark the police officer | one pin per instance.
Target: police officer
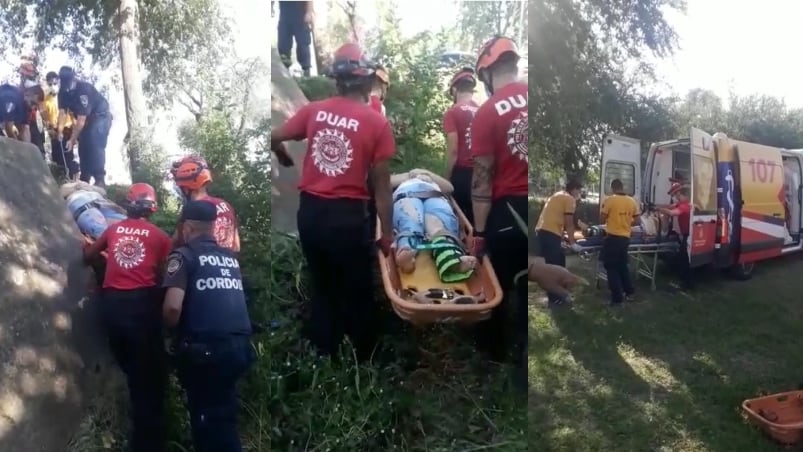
(93, 121)
(14, 113)
(206, 306)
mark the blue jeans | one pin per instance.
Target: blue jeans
(92, 148)
(208, 370)
(414, 218)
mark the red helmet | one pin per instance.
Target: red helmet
(191, 172)
(490, 53)
(675, 188)
(350, 61)
(142, 197)
(466, 73)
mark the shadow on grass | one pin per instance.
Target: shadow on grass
(668, 373)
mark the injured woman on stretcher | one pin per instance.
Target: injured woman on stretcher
(425, 219)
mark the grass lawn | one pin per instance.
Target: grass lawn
(668, 373)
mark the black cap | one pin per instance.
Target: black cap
(51, 75)
(66, 73)
(203, 211)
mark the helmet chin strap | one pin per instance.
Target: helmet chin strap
(487, 81)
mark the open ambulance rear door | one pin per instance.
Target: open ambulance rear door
(703, 198)
(621, 159)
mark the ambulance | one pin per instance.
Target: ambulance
(746, 197)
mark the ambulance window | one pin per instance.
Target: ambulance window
(681, 165)
(625, 172)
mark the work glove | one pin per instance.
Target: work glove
(283, 156)
(385, 244)
(478, 245)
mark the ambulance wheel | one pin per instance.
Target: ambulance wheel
(743, 272)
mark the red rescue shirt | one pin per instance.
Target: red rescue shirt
(345, 138)
(225, 224)
(458, 120)
(500, 129)
(684, 218)
(136, 249)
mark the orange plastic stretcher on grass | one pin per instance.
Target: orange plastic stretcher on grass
(402, 288)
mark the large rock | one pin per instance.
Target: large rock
(286, 98)
(51, 355)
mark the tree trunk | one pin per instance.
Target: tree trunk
(135, 106)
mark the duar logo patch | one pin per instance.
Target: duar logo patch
(332, 153)
(9, 107)
(84, 99)
(129, 252)
(518, 136)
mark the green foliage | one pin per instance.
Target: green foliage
(172, 35)
(579, 87)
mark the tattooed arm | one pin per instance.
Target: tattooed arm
(482, 189)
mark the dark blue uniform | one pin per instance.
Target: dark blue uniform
(292, 26)
(213, 339)
(12, 105)
(85, 100)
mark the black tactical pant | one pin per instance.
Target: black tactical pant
(133, 321)
(208, 369)
(334, 239)
(506, 244)
(461, 180)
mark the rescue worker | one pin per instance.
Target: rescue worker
(456, 125)
(131, 302)
(295, 23)
(205, 306)
(93, 121)
(499, 140)
(555, 221)
(14, 113)
(192, 176)
(346, 142)
(681, 210)
(49, 110)
(619, 212)
(379, 89)
(29, 78)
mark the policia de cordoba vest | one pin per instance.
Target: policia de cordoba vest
(214, 302)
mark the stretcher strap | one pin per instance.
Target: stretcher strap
(447, 253)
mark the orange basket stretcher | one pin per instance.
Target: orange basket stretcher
(779, 415)
(402, 289)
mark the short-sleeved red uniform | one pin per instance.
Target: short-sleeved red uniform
(345, 138)
(225, 224)
(458, 120)
(135, 250)
(684, 218)
(500, 129)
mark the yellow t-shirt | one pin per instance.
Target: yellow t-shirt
(553, 214)
(49, 109)
(620, 211)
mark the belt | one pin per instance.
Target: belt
(420, 195)
(84, 208)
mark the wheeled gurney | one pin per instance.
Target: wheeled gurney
(644, 251)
